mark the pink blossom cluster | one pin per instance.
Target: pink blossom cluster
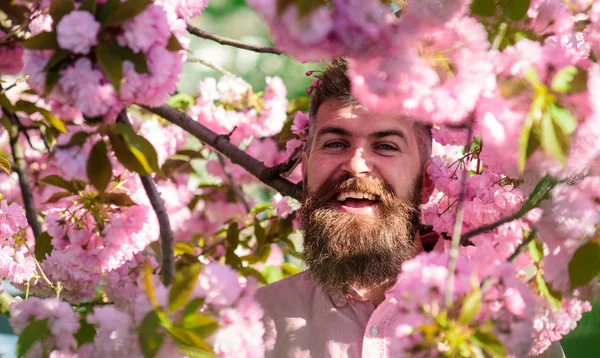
(569, 220)
(550, 324)
(420, 288)
(230, 301)
(83, 84)
(16, 261)
(62, 323)
(11, 57)
(348, 27)
(433, 73)
(562, 223)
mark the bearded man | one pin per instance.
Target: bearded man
(364, 179)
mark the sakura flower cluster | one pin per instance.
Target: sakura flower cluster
(419, 292)
(83, 65)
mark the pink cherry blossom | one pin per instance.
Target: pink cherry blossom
(12, 219)
(218, 284)
(77, 32)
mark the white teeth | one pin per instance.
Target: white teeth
(355, 195)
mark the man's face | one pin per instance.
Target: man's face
(362, 180)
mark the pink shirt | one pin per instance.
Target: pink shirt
(303, 321)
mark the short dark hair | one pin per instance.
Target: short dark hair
(334, 84)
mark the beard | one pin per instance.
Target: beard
(344, 250)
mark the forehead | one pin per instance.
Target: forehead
(358, 120)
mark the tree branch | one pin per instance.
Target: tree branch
(522, 246)
(158, 204)
(224, 146)
(20, 167)
(456, 239)
(231, 42)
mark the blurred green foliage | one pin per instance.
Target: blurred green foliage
(234, 19)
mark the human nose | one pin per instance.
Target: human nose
(357, 164)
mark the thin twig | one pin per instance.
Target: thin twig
(20, 167)
(22, 26)
(236, 188)
(522, 246)
(225, 147)
(158, 204)
(492, 226)
(231, 42)
(457, 228)
(219, 69)
(37, 263)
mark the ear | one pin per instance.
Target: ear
(426, 184)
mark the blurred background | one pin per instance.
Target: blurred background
(233, 19)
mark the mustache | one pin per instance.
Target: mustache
(349, 183)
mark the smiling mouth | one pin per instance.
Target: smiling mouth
(356, 199)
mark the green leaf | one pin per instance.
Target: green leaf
(570, 79)
(99, 169)
(59, 8)
(173, 45)
(6, 103)
(516, 9)
(35, 331)
(271, 274)
(17, 13)
(89, 5)
(563, 119)
(56, 59)
(488, 342)
(200, 323)
(554, 297)
(125, 11)
(77, 140)
(150, 336)
(111, 64)
(483, 8)
(86, 333)
(118, 199)
(125, 156)
(141, 149)
(54, 198)
(524, 141)
(193, 306)
(289, 269)
(540, 193)
(260, 208)
(551, 140)
(51, 81)
(103, 10)
(233, 235)
(193, 352)
(183, 285)
(181, 101)
(182, 247)
(536, 250)
(471, 306)
(58, 181)
(43, 246)
(42, 41)
(138, 59)
(53, 121)
(259, 232)
(584, 265)
(5, 164)
(188, 337)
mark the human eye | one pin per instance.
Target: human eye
(386, 147)
(335, 144)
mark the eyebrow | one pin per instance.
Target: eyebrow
(332, 130)
(389, 133)
(377, 135)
